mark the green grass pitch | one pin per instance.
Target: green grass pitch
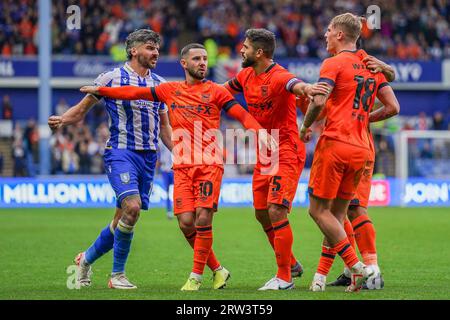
(38, 245)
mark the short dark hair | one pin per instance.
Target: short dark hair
(190, 46)
(141, 36)
(262, 39)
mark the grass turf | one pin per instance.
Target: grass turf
(38, 245)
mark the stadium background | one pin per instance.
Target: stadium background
(65, 169)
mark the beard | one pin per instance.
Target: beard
(196, 75)
(146, 63)
(248, 62)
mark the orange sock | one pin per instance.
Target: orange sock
(365, 238)
(283, 240)
(349, 231)
(202, 248)
(346, 251)
(212, 262)
(326, 260)
(271, 235)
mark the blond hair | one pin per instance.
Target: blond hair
(348, 23)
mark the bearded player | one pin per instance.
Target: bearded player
(270, 90)
(194, 106)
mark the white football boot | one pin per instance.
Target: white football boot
(277, 284)
(120, 281)
(360, 273)
(84, 270)
(319, 283)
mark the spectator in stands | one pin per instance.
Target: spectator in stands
(6, 108)
(438, 121)
(18, 152)
(420, 29)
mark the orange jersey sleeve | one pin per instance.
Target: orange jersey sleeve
(126, 93)
(329, 71)
(223, 98)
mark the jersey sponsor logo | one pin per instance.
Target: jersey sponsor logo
(205, 109)
(261, 106)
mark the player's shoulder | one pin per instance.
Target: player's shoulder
(157, 78)
(107, 76)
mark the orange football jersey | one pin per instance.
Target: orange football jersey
(354, 92)
(194, 111)
(271, 102)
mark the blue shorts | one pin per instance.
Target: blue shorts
(130, 173)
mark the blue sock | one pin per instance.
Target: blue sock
(102, 245)
(122, 243)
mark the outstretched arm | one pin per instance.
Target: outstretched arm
(122, 93)
(74, 114)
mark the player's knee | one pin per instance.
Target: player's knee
(277, 212)
(355, 212)
(186, 223)
(204, 217)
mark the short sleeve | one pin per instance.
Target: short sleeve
(236, 83)
(223, 98)
(382, 81)
(161, 92)
(103, 80)
(286, 80)
(329, 71)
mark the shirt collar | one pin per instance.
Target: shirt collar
(130, 69)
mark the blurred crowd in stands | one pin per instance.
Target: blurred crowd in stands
(414, 29)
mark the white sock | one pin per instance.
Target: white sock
(347, 272)
(196, 276)
(358, 267)
(320, 277)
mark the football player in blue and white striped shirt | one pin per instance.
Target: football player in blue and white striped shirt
(131, 151)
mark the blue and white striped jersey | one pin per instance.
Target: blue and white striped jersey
(133, 125)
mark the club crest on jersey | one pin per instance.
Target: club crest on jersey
(125, 177)
(206, 97)
(264, 91)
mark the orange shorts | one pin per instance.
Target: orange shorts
(337, 169)
(365, 184)
(195, 187)
(279, 188)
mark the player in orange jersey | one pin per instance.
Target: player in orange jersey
(343, 151)
(194, 109)
(358, 226)
(270, 91)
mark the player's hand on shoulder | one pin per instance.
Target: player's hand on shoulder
(54, 122)
(373, 64)
(89, 89)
